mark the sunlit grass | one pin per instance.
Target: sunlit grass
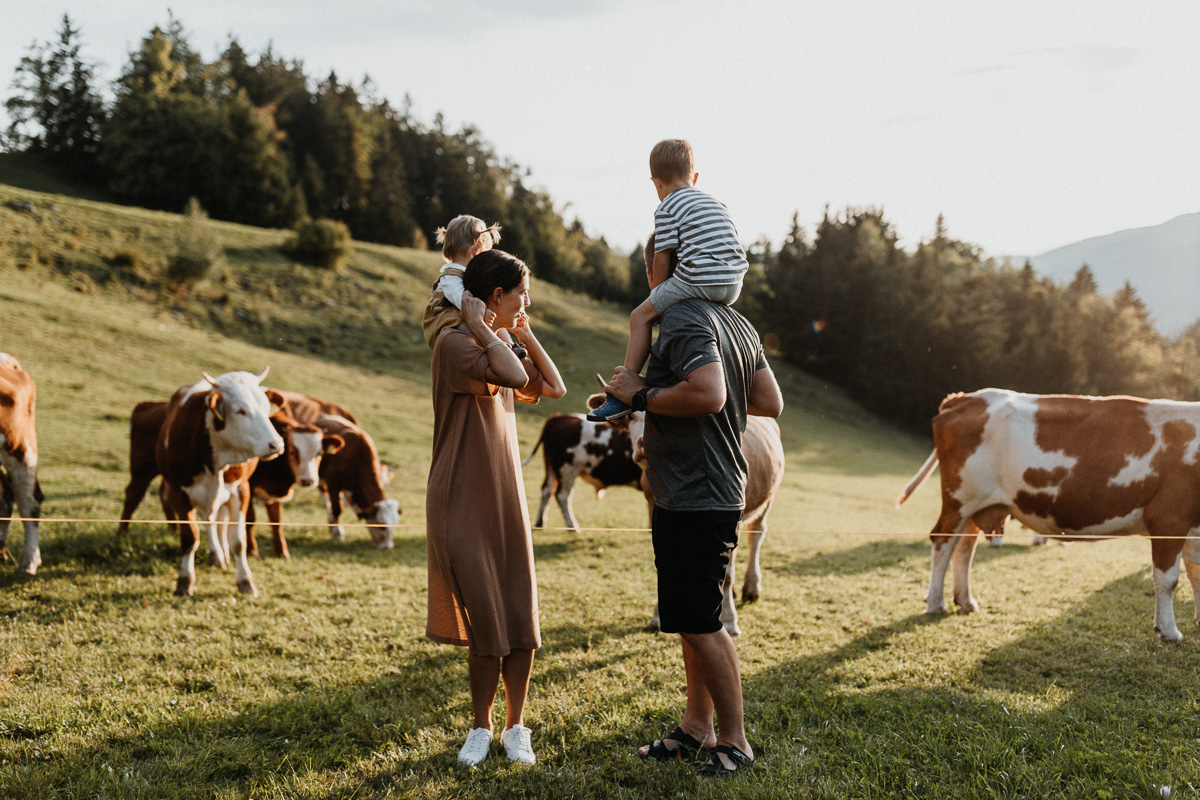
(325, 685)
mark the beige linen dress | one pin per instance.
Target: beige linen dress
(482, 587)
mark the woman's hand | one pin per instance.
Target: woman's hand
(473, 309)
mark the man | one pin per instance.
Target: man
(707, 371)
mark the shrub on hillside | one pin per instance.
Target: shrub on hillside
(319, 242)
(197, 248)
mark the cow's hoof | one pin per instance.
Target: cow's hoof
(733, 630)
(247, 587)
(285, 555)
(749, 595)
(185, 587)
(215, 560)
(384, 546)
(652, 627)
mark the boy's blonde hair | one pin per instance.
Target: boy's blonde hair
(672, 159)
(462, 234)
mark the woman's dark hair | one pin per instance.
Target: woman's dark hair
(491, 269)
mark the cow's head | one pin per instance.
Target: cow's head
(241, 414)
(380, 519)
(306, 444)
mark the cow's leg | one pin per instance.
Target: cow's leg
(549, 484)
(963, 555)
(28, 495)
(944, 540)
(236, 510)
(134, 493)
(333, 509)
(251, 542)
(1191, 563)
(6, 507)
(174, 501)
(565, 485)
(757, 527)
(729, 615)
(655, 623)
(278, 543)
(1166, 548)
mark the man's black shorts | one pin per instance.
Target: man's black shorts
(691, 552)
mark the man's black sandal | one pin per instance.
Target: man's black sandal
(717, 768)
(687, 745)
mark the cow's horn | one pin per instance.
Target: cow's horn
(209, 378)
(263, 374)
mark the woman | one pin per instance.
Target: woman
(482, 589)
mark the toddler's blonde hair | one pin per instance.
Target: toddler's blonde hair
(671, 159)
(463, 232)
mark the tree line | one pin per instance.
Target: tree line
(256, 140)
(900, 330)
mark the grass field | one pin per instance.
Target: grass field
(325, 686)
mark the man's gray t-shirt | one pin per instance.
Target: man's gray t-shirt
(696, 463)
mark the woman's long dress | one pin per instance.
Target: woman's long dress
(482, 587)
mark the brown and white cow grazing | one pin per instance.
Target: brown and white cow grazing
(1066, 466)
(600, 453)
(214, 431)
(273, 482)
(762, 446)
(354, 474)
(18, 461)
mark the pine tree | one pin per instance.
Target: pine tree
(56, 110)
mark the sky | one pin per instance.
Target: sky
(1027, 124)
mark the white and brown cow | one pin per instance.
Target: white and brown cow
(762, 447)
(600, 453)
(307, 408)
(1066, 466)
(18, 461)
(271, 482)
(213, 433)
(355, 475)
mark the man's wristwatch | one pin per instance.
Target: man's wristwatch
(638, 401)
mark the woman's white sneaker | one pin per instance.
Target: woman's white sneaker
(475, 749)
(517, 745)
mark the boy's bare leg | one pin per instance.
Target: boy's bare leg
(641, 329)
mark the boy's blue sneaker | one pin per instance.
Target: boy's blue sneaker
(611, 409)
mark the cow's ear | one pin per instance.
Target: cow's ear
(217, 404)
(595, 401)
(275, 399)
(332, 443)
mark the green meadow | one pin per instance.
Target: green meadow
(325, 687)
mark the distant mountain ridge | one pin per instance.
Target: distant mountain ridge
(1162, 262)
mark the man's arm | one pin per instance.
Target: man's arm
(765, 398)
(701, 393)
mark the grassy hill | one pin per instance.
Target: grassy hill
(325, 687)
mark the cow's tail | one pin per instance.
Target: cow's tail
(535, 449)
(919, 479)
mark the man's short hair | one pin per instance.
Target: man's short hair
(672, 159)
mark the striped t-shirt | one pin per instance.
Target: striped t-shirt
(699, 228)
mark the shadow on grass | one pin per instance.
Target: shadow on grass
(1099, 696)
(885, 553)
